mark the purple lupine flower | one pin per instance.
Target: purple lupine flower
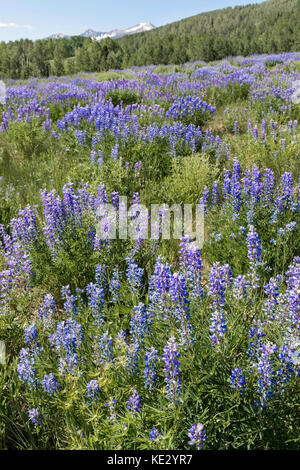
(27, 368)
(68, 365)
(35, 417)
(93, 157)
(111, 405)
(95, 295)
(132, 358)
(115, 286)
(197, 435)
(236, 189)
(50, 384)
(191, 266)
(247, 183)
(100, 276)
(160, 289)
(140, 323)
(264, 367)
(272, 290)
(154, 435)
(273, 126)
(205, 199)
(122, 337)
(47, 311)
(256, 186)
(255, 132)
(283, 144)
(70, 301)
(226, 184)
(103, 350)
(115, 199)
(268, 186)
(287, 367)
(172, 373)
(249, 125)
(293, 294)
(215, 195)
(291, 226)
(254, 255)
(255, 334)
(263, 128)
(237, 380)
(179, 294)
(240, 287)
(31, 335)
(115, 152)
(217, 284)
(235, 127)
(151, 359)
(134, 276)
(284, 199)
(219, 278)
(134, 403)
(138, 167)
(67, 339)
(93, 390)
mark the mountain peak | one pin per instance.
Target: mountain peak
(114, 34)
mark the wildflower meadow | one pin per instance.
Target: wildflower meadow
(142, 338)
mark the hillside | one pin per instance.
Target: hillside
(272, 26)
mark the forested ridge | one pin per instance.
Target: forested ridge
(270, 27)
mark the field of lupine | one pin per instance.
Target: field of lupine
(152, 344)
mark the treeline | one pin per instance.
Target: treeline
(271, 27)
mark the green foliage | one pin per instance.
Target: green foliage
(186, 180)
(125, 97)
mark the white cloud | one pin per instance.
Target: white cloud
(15, 25)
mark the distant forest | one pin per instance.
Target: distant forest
(271, 27)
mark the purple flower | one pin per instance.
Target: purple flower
(197, 435)
(95, 295)
(264, 367)
(111, 405)
(27, 368)
(47, 312)
(115, 286)
(237, 380)
(140, 323)
(134, 276)
(254, 255)
(31, 335)
(154, 435)
(50, 385)
(92, 390)
(172, 373)
(151, 359)
(134, 403)
(35, 416)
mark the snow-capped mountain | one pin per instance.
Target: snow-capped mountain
(114, 34)
(118, 33)
(90, 33)
(58, 36)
